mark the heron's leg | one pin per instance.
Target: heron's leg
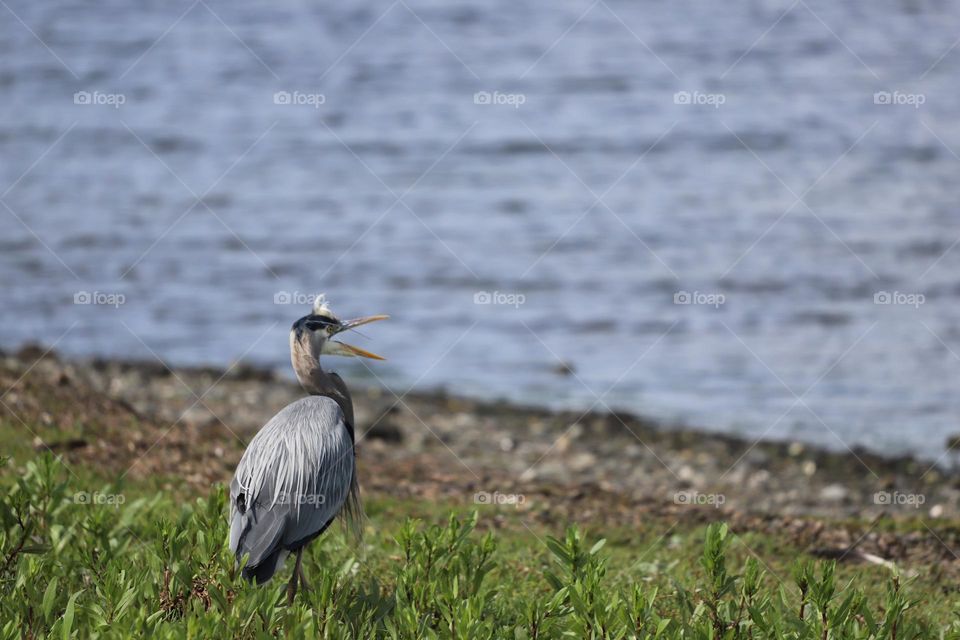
(292, 585)
(303, 578)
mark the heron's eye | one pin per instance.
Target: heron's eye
(316, 325)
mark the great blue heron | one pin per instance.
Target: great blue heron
(299, 472)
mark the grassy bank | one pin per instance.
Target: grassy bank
(113, 524)
(85, 558)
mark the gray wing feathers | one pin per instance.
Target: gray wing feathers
(292, 480)
(261, 534)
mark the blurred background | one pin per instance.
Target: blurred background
(735, 217)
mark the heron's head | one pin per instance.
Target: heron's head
(312, 335)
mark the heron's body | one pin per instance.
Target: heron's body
(299, 472)
(292, 481)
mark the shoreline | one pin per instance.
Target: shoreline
(675, 431)
(496, 447)
(948, 463)
(612, 422)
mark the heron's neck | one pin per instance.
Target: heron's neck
(315, 380)
(318, 382)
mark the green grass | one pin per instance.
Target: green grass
(131, 561)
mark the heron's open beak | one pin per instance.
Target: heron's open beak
(335, 348)
(356, 322)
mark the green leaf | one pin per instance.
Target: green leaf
(69, 614)
(49, 597)
(662, 626)
(216, 594)
(125, 601)
(35, 549)
(558, 549)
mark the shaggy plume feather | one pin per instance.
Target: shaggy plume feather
(322, 308)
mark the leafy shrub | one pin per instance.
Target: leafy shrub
(72, 567)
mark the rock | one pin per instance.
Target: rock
(64, 445)
(756, 457)
(31, 352)
(688, 474)
(582, 461)
(834, 493)
(384, 430)
(634, 450)
(552, 469)
(809, 468)
(249, 372)
(758, 479)
(563, 369)
(198, 416)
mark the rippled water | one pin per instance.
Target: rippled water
(628, 152)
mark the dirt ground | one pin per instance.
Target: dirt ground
(146, 420)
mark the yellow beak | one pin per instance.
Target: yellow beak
(357, 322)
(335, 348)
